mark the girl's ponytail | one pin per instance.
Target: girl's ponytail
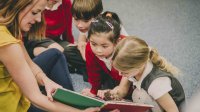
(162, 63)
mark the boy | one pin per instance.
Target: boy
(83, 12)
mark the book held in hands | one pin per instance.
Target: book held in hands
(80, 101)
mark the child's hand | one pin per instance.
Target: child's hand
(87, 92)
(81, 45)
(101, 93)
(112, 95)
(50, 87)
(81, 48)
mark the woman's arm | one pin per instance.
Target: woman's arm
(13, 58)
(36, 70)
(167, 103)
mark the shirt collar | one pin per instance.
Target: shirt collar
(107, 61)
(55, 6)
(147, 70)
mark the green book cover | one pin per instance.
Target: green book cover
(75, 99)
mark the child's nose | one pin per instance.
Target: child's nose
(120, 73)
(99, 50)
(80, 25)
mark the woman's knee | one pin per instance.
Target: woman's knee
(56, 46)
(58, 54)
(38, 50)
(55, 51)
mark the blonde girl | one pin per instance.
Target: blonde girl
(151, 75)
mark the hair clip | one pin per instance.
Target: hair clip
(110, 25)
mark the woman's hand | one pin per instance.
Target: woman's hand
(50, 87)
(87, 92)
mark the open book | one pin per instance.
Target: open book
(77, 100)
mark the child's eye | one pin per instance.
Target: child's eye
(93, 44)
(76, 19)
(105, 46)
(86, 21)
(34, 13)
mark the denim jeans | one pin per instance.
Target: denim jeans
(53, 64)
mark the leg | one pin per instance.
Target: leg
(53, 63)
(61, 69)
(74, 58)
(38, 50)
(36, 47)
(44, 45)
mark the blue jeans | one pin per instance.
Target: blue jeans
(53, 64)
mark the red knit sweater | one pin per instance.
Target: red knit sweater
(94, 67)
(59, 22)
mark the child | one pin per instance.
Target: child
(152, 76)
(83, 12)
(62, 24)
(103, 36)
(18, 74)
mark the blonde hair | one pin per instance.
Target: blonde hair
(9, 14)
(133, 52)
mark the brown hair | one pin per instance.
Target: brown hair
(105, 25)
(86, 9)
(133, 52)
(9, 13)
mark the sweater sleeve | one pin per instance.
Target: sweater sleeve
(6, 37)
(67, 35)
(93, 70)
